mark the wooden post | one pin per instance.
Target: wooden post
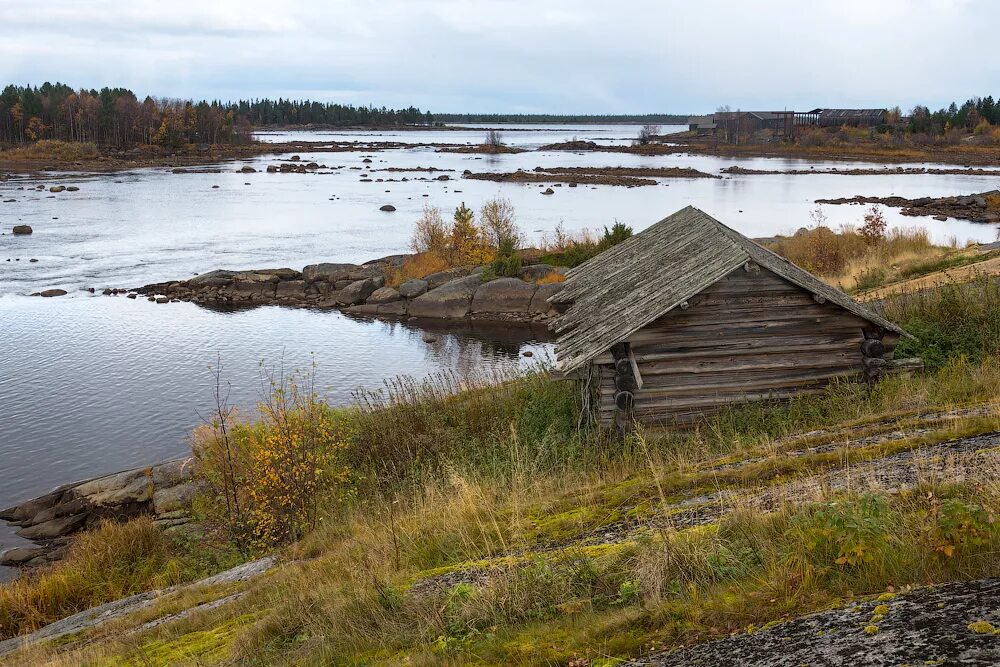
(872, 354)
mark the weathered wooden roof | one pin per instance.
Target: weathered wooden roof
(626, 287)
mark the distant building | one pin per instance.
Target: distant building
(838, 117)
(702, 124)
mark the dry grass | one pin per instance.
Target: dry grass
(50, 149)
(846, 259)
(105, 564)
(417, 266)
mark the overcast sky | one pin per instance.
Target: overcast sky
(558, 56)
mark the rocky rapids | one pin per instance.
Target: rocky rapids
(459, 293)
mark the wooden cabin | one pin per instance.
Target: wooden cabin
(690, 316)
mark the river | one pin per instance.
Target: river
(92, 384)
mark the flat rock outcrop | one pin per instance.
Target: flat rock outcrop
(164, 491)
(459, 293)
(951, 624)
(979, 207)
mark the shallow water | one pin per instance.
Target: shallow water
(90, 384)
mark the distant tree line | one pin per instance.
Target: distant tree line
(591, 119)
(968, 116)
(115, 116)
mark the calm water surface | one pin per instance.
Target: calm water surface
(90, 384)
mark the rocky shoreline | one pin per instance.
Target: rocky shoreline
(164, 491)
(979, 207)
(463, 293)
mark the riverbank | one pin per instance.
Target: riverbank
(962, 154)
(487, 501)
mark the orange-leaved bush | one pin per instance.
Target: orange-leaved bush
(270, 478)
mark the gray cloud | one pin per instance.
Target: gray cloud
(496, 55)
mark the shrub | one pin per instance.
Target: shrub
(499, 225)
(431, 234)
(469, 245)
(268, 477)
(950, 321)
(873, 229)
(564, 249)
(417, 266)
(494, 139)
(507, 262)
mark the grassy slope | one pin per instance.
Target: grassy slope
(517, 541)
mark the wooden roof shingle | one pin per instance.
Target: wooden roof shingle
(626, 287)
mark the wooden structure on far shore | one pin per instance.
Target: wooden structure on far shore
(689, 317)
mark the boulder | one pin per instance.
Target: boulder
(411, 289)
(291, 288)
(216, 278)
(248, 170)
(539, 302)
(396, 308)
(548, 191)
(55, 528)
(328, 272)
(388, 208)
(22, 229)
(57, 188)
(20, 555)
(383, 295)
(52, 292)
(504, 295)
(357, 292)
(251, 288)
(438, 279)
(451, 300)
(174, 498)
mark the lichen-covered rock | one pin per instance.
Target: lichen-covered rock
(504, 295)
(928, 626)
(451, 300)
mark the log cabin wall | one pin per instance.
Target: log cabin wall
(752, 335)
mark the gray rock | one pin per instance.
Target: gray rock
(357, 292)
(504, 295)
(383, 295)
(253, 288)
(438, 279)
(20, 555)
(174, 498)
(216, 278)
(173, 472)
(328, 272)
(395, 309)
(451, 300)
(411, 289)
(539, 302)
(48, 530)
(388, 208)
(291, 288)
